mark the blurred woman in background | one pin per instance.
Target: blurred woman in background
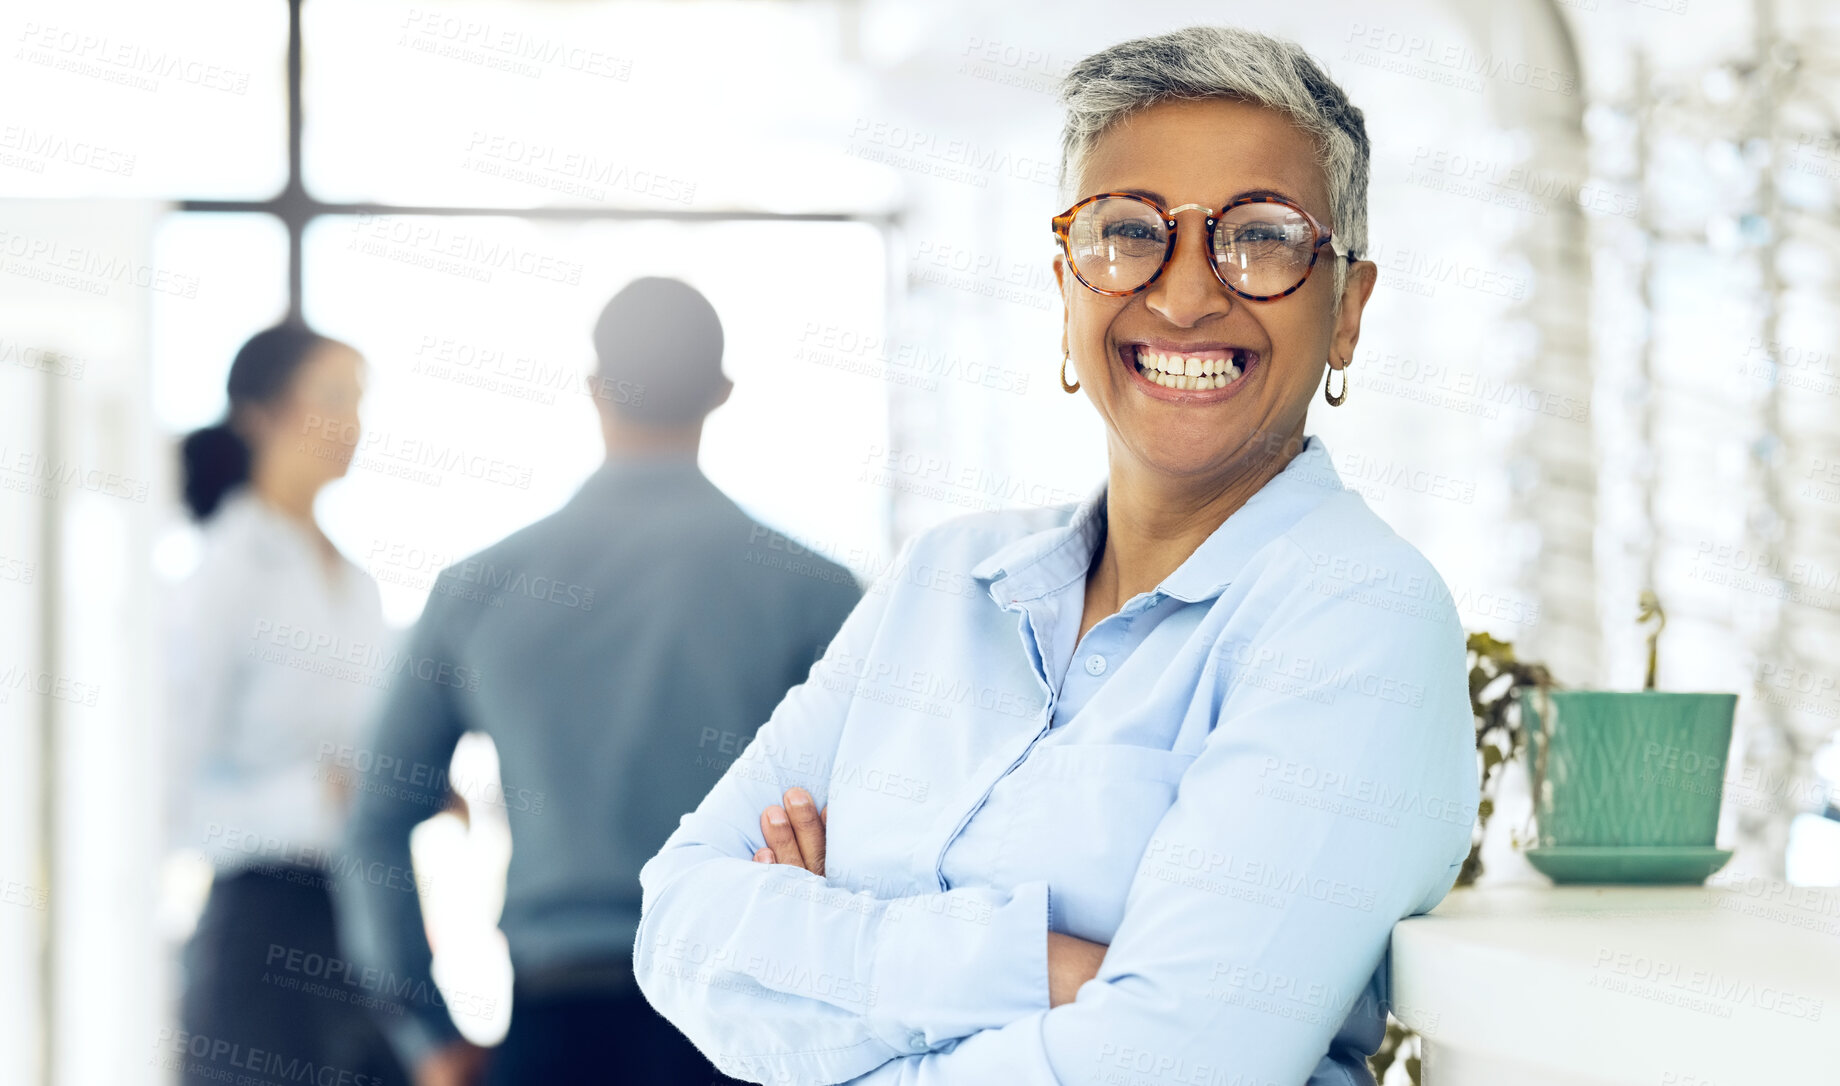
(274, 662)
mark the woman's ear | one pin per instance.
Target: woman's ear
(1358, 287)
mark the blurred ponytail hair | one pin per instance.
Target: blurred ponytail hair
(216, 459)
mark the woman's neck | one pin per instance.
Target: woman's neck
(294, 500)
(288, 497)
(1154, 522)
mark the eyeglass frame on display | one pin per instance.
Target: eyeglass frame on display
(1062, 225)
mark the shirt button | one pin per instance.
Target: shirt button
(1095, 664)
(917, 1040)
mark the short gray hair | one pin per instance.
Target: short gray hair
(1224, 62)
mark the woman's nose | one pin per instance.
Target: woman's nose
(1188, 291)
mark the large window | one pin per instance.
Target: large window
(456, 191)
(477, 334)
(119, 98)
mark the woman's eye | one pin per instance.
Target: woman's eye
(1132, 231)
(1260, 234)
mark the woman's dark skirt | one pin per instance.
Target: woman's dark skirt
(270, 996)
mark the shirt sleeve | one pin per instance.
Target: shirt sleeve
(201, 663)
(1334, 796)
(829, 611)
(399, 779)
(777, 976)
(215, 802)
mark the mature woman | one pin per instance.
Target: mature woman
(1146, 805)
(273, 660)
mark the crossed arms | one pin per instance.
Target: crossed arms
(795, 836)
(780, 977)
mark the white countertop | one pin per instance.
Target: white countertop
(1732, 984)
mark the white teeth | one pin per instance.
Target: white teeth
(1181, 365)
(1185, 373)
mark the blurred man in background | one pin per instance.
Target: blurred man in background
(619, 653)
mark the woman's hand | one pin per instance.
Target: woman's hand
(794, 832)
(1071, 962)
(458, 1063)
(795, 835)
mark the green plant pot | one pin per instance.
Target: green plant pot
(1629, 768)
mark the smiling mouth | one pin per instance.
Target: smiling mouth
(1196, 371)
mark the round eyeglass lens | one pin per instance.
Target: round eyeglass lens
(1117, 243)
(1263, 248)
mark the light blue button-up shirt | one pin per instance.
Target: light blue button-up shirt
(1239, 782)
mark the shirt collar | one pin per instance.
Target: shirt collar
(623, 468)
(1048, 560)
(244, 513)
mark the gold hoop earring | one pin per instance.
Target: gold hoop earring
(1065, 387)
(1335, 400)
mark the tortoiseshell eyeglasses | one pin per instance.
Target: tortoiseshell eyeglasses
(1119, 243)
